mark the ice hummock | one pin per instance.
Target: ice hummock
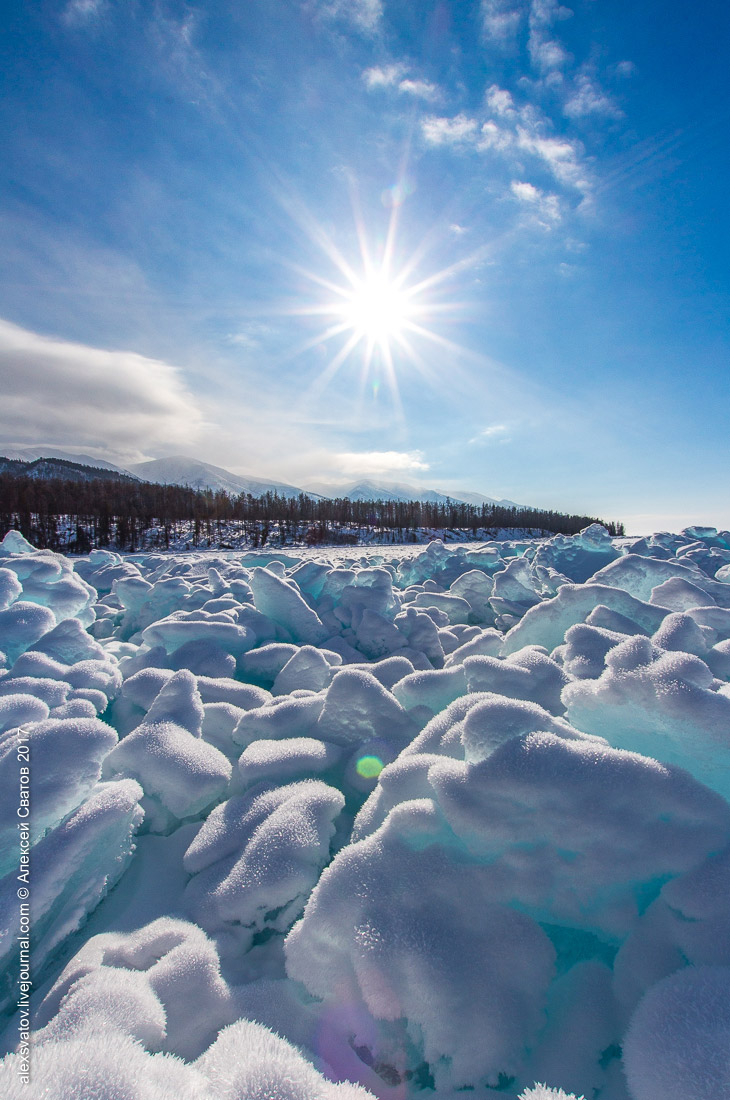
(383, 822)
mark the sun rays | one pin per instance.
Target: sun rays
(380, 312)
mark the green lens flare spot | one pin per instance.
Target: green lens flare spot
(369, 767)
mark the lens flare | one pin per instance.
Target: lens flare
(369, 767)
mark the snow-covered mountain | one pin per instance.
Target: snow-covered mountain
(367, 489)
(184, 470)
(32, 454)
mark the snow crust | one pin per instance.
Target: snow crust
(355, 823)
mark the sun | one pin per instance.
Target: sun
(377, 310)
(382, 309)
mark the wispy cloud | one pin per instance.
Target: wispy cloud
(546, 51)
(79, 396)
(588, 98)
(395, 76)
(364, 15)
(501, 19)
(517, 132)
(384, 76)
(493, 433)
(449, 131)
(500, 101)
(545, 207)
(80, 12)
(379, 463)
(422, 89)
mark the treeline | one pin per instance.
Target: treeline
(58, 513)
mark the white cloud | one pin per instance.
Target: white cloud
(78, 12)
(493, 433)
(501, 19)
(353, 464)
(545, 51)
(589, 98)
(546, 208)
(562, 157)
(525, 192)
(422, 89)
(364, 15)
(500, 101)
(89, 398)
(625, 69)
(384, 76)
(494, 137)
(449, 131)
(392, 76)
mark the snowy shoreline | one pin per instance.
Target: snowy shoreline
(399, 820)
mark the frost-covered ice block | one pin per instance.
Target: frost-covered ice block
(306, 668)
(204, 657)
(442, 973)
(70, 643)
(218, 630)
(682, 634)
(679, 594)
(475, 587)
(546, 1092)
(688, 924)
(248, 1060)
(678, 1041)
(389, 671)
(10, 588)
(716, 619)
(487, 643)
(578, 557)
(224, 690)
(577, 832)
(585, 649)
(143, 687)
(102, 568)
(19, 710)
(358, 708)
(73, 867)
(377, 636)
(514, 586)
(286, 760)
(547, 623)
(144, 984)
(51, 692)
(528, 673)
(433, 689)
(103, 1064)
(21, 625)
(167, 755)
(661, 704)
(48, 579)
(596, 829)
(65, 763)
(474, 725)
(422, 634)
(284, 604)
(258, 856)
(286, 716)
(638, 576)
(263, 664)
(456, 607)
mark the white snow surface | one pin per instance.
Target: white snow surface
(337, 823)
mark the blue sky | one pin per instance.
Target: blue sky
(187, 191)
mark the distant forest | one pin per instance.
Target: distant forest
(73, 515)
